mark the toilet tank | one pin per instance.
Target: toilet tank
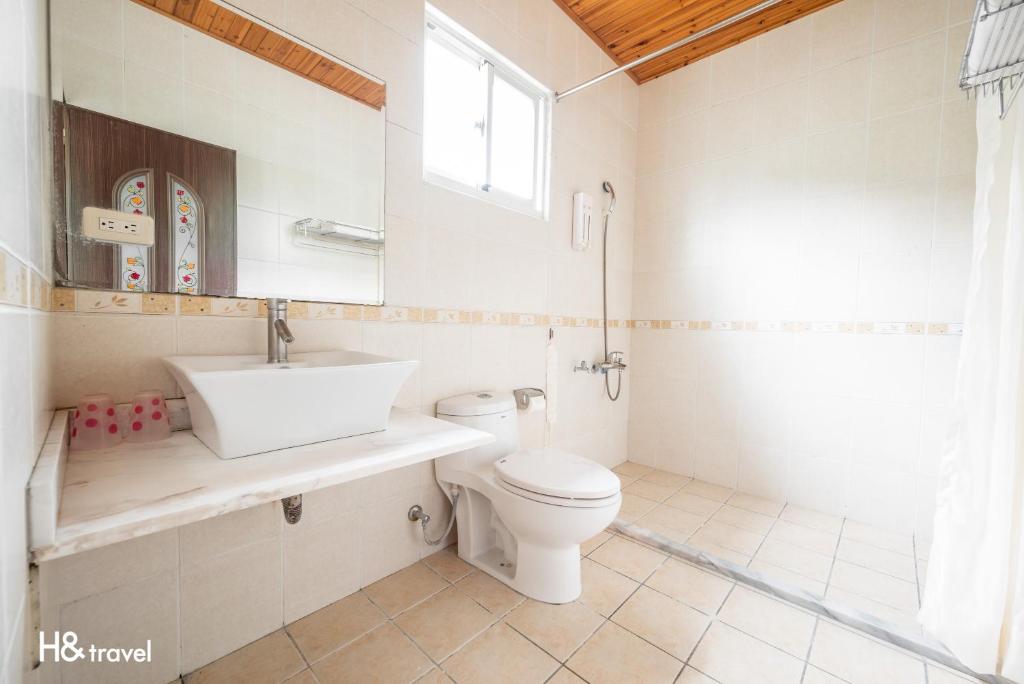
(493, 412)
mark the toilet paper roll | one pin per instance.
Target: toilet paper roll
(537, 405)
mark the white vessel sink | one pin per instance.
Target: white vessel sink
(240, 405)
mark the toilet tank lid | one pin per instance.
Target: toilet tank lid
(476, 404)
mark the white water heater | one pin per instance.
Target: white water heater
(582, 209)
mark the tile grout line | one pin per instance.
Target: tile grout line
(810, 647)
(835, 556)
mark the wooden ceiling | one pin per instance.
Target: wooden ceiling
(628, 29)
(238, 30)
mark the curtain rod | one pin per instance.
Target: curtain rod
(760, 7)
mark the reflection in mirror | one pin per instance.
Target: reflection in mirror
(215, 155)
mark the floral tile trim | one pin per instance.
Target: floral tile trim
(94, 301)
(108, 302)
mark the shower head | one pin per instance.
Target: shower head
(607, 187)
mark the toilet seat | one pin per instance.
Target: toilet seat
(556, 477)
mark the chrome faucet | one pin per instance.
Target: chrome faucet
(278, 334)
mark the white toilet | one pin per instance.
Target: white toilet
(523, 514)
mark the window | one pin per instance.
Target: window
(486, 122)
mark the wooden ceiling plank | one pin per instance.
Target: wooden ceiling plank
(655, 37)
(586, 29)
(721, 40)
(185, 9)
(629, 29)
(203, 16)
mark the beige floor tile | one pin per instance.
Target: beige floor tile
(668, 624)
(698, 505)
(904, 619)
(718, 551)
(669, 533)
(304, 677)
(558, 629)
(333, 626)
(692, 586)
(781, 625)
(885, 539)
(757, 504)
(604, 590)
(860, 660)
(815, 676)
(435, 676)
(744, 519)
(405, 588)
(634, 506)
(813, 519)
(565, 676)
(805, 537)
(732, 657)
(448, 565)
(271, 659)
(650, 490)
(500, 655)
(875, 558)
(692, 676)
(595, 541)
(663, 477)
(632, 469)
(675, 518)
(497, 597)
(626, 480)
(775, 573)
(615, 656)
(631, 559)
(940, 675)
(708, 490)
(729, 537)
(444, 622)
(795, 559)
(874, 585)
(383, 655)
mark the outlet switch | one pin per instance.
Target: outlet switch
(109, 225)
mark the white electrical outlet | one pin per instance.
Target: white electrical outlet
(109, 225)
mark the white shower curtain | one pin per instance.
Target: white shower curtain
(974, 595)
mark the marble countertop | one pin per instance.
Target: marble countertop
(110, 495)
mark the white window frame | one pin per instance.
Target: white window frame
(442, 29)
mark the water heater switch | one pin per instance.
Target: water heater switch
(582, 209)
(108, 225)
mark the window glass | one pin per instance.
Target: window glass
(454, 107)
(485, 128)
(513, 139)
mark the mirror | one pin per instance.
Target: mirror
(199, 150)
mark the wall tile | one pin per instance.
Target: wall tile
(228, 601)
(854, 206)
(118, 355)
(127, 617)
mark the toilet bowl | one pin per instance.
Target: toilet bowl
(522, 513)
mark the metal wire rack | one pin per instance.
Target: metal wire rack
(993, 62)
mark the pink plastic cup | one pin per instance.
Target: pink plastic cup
(95, 423)
(147, 417)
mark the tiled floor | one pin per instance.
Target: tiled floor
(866, 568)
(643, 617)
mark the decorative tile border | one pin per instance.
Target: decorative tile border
(838, 327)
(97, 301)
